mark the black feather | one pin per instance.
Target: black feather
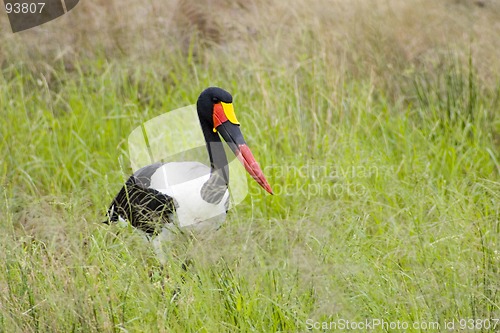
(145, 208)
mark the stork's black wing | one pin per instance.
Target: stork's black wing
(145, 208)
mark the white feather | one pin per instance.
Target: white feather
(183, 182)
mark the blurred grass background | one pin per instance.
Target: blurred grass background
(376, 123)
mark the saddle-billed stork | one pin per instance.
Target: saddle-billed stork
(163, 197)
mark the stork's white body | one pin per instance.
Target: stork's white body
(183, 181)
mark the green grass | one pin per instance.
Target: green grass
(385, 208)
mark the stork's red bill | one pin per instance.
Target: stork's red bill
(227, 125)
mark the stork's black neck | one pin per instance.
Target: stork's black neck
(215, 149)
(215, 188)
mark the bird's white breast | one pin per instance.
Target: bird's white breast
(183, 182)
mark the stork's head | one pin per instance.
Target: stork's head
(216, 113)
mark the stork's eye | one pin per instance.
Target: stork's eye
(215, 100)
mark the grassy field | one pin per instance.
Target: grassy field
(377, 125)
